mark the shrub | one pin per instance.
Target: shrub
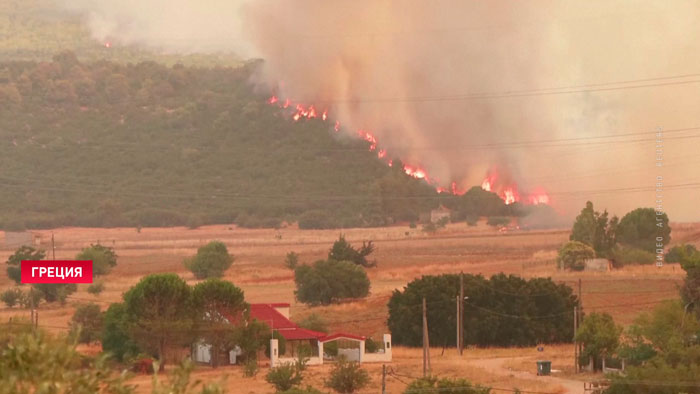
(291, 260)
(11, 297)
(115, 334)
(210, 261)
(573, 254)
(429, 228)
(250, 368)
(103, 258)
(327, 281)
(87, 323)
(675, 254)
(96, 288)
(53, 292)
(498, 221)
(347, 377)
(433, 385)
(285, 376)
(30, 298)
(299, 390)
(472, 220)
(627, 255)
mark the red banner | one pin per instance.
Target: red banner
(56, 271)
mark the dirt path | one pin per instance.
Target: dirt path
(496, 366)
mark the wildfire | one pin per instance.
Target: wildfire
(508, 192)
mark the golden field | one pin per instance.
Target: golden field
(402, 255)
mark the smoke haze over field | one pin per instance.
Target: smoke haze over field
(412, 71)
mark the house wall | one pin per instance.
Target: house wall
(601, 265)
(381, 356)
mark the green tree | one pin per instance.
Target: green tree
(86, 323)
(158, 310)
(343, 251)
(347, 377)
(434, 385)
(690, 292)
(252, 338)
(504, 310)
(210, 261)
(116, 339)
(327, 281)
(13, 262)
(96, 288)
(219, 306)
(599, 335)
(37, 363)
(664, 352)
(595, 230)
(573, 255)
(103, 258)
(644, 229)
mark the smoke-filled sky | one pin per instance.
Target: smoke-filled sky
(462, 87)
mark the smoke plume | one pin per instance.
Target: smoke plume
(461, 87)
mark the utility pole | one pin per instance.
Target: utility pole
(53, 247)
(459, 325)
(461, 313)
(575, 342)
(579, 318)
(383, 378)
(426, 342)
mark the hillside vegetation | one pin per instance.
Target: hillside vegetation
(107, 144)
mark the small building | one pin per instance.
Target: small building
(276, 315)
(440, 213)
(599, 265)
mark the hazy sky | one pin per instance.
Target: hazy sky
(413, 72)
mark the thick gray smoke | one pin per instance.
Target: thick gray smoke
(454, 86)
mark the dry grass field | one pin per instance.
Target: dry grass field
(402, 255)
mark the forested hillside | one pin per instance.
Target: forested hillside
(107, 144)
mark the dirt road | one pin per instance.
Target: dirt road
(497, 366)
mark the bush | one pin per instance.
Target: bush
(285, 376)
(347, 377)
(96, 288)
(624, 255)
(87, 323)
(52, 292)
(498, 221)
(433, 385)
(573, 254)
(291, 260)
(675, 254)
(472, 220)
(30, 298)
(327, 281)
(305, 390)
(103, 258)
(210, 261)
(11, 297)
(429, 228)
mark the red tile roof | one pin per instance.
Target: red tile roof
(289, 330)
(341, 335)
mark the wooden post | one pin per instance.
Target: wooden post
(383, 378)
(575, 343)
(457, 337)
(426, 342)
(461, 312)
(53, 247)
